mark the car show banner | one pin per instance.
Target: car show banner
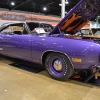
(31, 17)
(13, 17)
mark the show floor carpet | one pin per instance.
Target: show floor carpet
(20, 84)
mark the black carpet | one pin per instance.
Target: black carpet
(34, 68)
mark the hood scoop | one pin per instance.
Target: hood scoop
(77, 17)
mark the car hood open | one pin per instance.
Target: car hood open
(77, 17)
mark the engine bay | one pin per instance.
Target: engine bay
(87, 34)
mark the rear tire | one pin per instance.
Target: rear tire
(59, 66)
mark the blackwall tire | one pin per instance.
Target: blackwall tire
(58, 66)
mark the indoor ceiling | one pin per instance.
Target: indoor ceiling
(53, 7)
(36, 6)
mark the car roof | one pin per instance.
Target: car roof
(11, 23)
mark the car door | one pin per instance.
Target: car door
(17, 41)
(1, 43)
(3, 31)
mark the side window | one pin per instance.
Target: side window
(18, 29)
(6, 30)
(38, 28)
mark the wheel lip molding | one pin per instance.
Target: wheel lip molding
(57, 52)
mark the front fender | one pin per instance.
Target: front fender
(88, 52)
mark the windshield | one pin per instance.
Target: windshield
(40, 28)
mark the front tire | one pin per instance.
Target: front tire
(59, 66)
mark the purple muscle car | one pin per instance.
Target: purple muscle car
(43, 44)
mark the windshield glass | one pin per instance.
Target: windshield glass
(40, 28)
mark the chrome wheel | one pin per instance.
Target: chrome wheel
(58, 65)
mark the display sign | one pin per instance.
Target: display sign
(16, 28)
(40, 30)
(13, 17)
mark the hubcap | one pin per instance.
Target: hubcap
(58, 65)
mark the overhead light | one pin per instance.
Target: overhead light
(66, 2)
(60, 4)
(12, 3)
(44, 8)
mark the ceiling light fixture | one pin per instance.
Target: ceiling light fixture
(12, 3)
(44, 8)
(60, 4)
(66, 2)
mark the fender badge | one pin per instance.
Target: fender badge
(76, 60)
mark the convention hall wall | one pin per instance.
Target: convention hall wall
(9, 16)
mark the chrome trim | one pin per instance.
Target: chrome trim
(57, 65)
(56, 52)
